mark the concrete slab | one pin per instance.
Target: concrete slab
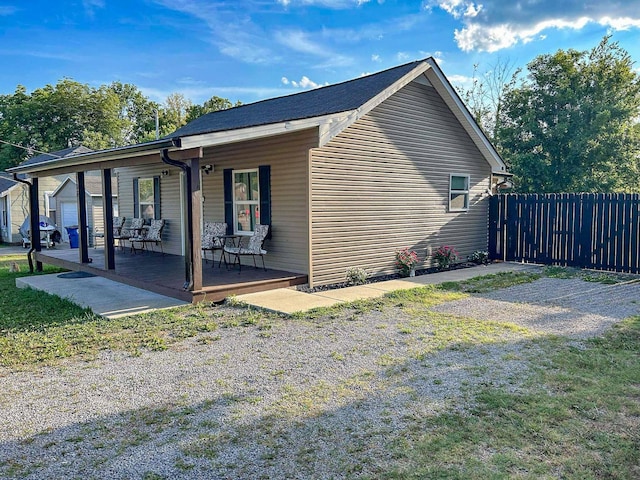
(350, 294)
(289, 301)
(285, 300)
(104, 297)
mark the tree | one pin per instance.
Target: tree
(572, 125)
(173, 113)
(486, 95)
(212, 105)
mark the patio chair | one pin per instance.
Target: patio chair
(126, 233)
(148, 236)
(253, 248)
(212, 239)
(118, 223)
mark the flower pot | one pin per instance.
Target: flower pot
(412, 272)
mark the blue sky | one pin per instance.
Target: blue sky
(248, 50)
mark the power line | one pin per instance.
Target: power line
(29, 149)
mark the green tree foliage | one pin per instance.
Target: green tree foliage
(572, 124)
(212, 105)
(71, 113)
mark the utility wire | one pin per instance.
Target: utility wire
(29, 149)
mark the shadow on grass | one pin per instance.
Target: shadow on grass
(413, 419)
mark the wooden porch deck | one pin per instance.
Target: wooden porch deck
(166, 274)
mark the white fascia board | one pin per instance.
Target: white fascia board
(453, 101)
(242, 134)
(61, 186)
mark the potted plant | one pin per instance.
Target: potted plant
(444, 256)
(406, 261)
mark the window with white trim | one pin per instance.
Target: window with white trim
(458, 193)
(246, 200)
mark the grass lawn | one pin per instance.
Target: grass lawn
(576, 416)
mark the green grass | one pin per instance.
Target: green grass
(38, 328)
(579, 419)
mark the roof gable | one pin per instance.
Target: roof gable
(332, 99)
(67, 152)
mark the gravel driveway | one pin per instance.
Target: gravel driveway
(302, 399)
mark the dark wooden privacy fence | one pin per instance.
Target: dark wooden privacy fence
(583, 230)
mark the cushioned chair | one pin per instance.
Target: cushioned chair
(212, 240)
(253, 248)
(149, 236)
(118, 223)
(126, 233)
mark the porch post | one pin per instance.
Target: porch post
(34, 219)
(194, 197)
(107, 212)
(82, 218)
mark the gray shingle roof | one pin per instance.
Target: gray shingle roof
(327, 100)
(6, 182)
(67, 152)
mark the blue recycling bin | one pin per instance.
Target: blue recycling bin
(73, 236)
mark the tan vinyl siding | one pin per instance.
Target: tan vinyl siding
(383, 184)
(169, 200)
(19, 202)
(288, 157)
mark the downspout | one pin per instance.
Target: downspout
(188, 284)
(33, 244)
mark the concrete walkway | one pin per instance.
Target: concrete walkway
(105, 297)
(288, 300)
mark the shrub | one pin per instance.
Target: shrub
(356, 276)
(444, 256)
(480, 257)
(406, 260)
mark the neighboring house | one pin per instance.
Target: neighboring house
(14, 197)
(66, 200)
(345, 175)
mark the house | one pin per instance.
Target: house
(345, 175)
(14, 198)
(66, 199)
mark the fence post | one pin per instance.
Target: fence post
(493, 226)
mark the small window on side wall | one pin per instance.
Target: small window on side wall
(458, 193)
(146, 198)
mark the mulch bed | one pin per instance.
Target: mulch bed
(382, 278)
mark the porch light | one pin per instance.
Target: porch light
(207, 168)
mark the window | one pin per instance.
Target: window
(458, 193)
(146, 197)
(246, 200)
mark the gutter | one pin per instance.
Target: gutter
(33, 244)
(100, 155)
(188, 284)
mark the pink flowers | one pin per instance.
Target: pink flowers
(406, 260)
(444, 256)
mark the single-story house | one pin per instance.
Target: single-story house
(345, 175)
(14, 197)
(66, 200)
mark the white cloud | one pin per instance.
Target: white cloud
(5, 11)
(90, 6)
(333, 4)
(495, 24)
(403, 56)
(302, 42)
(304, 83)
(376, 58)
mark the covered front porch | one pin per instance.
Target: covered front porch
(164, 274)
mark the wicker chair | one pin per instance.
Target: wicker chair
(212, 240)
(253, 248)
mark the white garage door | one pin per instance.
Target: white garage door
(69, 216)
